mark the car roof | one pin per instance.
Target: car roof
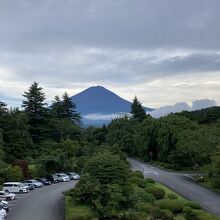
(12, 183)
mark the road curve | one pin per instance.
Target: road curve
(45, 203)
(182, 184)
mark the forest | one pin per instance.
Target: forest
(39, 139)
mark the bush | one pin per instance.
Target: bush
(157, 213)
(193, 205)
(157, 192)
(76, 212)
(141, 196)
(137, 181)
(149, 180)
(172, 196)
(137, 173)
(175, 206)
(189, 214)
(146, 207)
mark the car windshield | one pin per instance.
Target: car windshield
(21, 184)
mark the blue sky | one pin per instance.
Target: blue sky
(162, 51)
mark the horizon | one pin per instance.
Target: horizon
(156, 112)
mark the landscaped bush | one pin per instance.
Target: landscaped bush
(157, 213)
(141, 196)
(137, 173)
(131, 215)
(175, 206)
(193, 205)
(172, 196)
(137, 181)
(146, 207)
(157, 192)
(149, 180)
(189, 214)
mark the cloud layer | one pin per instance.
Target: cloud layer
(162, 51)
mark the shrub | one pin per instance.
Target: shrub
(149, 180)
(175, 206)
(76, 212)
(193, 205)
(157, 192)
(137, 181)
(146, 207)
(137, 173)
(172, 196)
(141, 196)
(157, 213)
(189, 214)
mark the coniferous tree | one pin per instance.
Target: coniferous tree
(137, 110)
(56, 107)
(69, 110)
(34, 107)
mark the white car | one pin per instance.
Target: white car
(15, 187)
(7, 196)
(3, 214)
(73, 176)
(34, 182)
(64, 177)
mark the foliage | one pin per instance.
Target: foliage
(107, 168)
(157, 213)
(193, 205)
(157, 192)
(137, 110)
(76, 212)
(172, 196)
(175, 206)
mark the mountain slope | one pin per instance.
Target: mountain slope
(98, 99)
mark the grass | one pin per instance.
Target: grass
(73, 212)
(202, 215)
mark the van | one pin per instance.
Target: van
(15, 187)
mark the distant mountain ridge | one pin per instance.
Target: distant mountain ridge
(98, 99)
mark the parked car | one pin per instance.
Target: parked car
(63, 176)
(53, 178)
(34, 182)
(4, 205)
(15, 187)
(7, 196)
(73, 176)
(44, 181)
(31, 186)
(3, 214)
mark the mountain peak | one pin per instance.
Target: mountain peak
(98, 99)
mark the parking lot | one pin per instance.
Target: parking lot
(44, 203)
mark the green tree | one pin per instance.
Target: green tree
(137, 110)
(69, 110)
(34, 107)
(107, 168)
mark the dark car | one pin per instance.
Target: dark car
(4, 206)
(31, 186)
(52, 178)
(44, 181)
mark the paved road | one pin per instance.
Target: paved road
(182, 184)
(40, 204)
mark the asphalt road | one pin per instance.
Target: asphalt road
(45, 203)
(182, 184)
